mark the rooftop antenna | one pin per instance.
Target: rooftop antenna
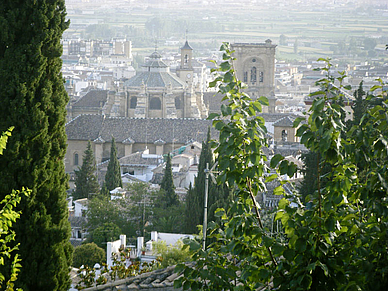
(156, 44)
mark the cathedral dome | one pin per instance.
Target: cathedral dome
(156, 74)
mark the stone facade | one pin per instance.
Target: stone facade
(255, 66)
(155, 92)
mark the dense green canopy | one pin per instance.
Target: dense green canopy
(33, 100)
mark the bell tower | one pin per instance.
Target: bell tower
(185, 71)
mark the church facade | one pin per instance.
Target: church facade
(155, 92)
(255, 66)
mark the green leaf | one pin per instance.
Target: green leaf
(271, 178)
(275, 160)
(264, 274)
(225, 66)
(289, 254)
(300, 245)
(278, 190)
(212, 115)
(263, 100)
(297, 121)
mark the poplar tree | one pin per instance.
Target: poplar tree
(33, 100)
(85, 178)
(113, 175)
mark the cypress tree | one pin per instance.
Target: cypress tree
(218, 196)
(85, 178)
(359, 106)
(33, 100)
(113, 175)
(167, 185)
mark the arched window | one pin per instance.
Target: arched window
(133, 103)
(186, 59)
(155, 103)
(253, 75)
(245, 77)
(284, 135)
(178, 104)
(261, 77)
(75, 159)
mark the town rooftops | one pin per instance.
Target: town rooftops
(93, 98)
(139, 130)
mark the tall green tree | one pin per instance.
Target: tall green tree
(170, 198)
(85, 179)
(113, 175)
(218, 196)
(359, 104)
(33, 100)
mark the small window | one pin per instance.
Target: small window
(186, 59)
(261, 77)
(253, 75)
(284, 135)
(75, 159)
(253, 60)
(178, 104)
(133, 103)
(155, 104)
(245, 77)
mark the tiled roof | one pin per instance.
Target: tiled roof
(154, 79)
(186, 46)
(138, 159)
(162, 279)
(286, 121)
(140, 130)
(213, 101)
(92, 99)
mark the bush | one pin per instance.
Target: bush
(88, 255)
(171, 255)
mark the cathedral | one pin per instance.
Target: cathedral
(155, 92)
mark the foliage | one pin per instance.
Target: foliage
(102, 210)
(113, 175)
(85, 179)
(8, 216)
(218, 196)
(88, 255)
(170, 255)
(105, 233)
(311, 161)
(168, 219)
(122, 267)
(140, 205)
(359, 105)
(337, 241)
(167, 185)
(33, 100)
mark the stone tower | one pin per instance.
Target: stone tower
(255, 66)
(185, 71)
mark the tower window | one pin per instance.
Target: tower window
(178, 104)
(155, 104)
(245, 77)
(253, 75)
(253, 60)
(284, 135)
(133, 103)
(261, 77)
(186, 59)
(75, 159)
